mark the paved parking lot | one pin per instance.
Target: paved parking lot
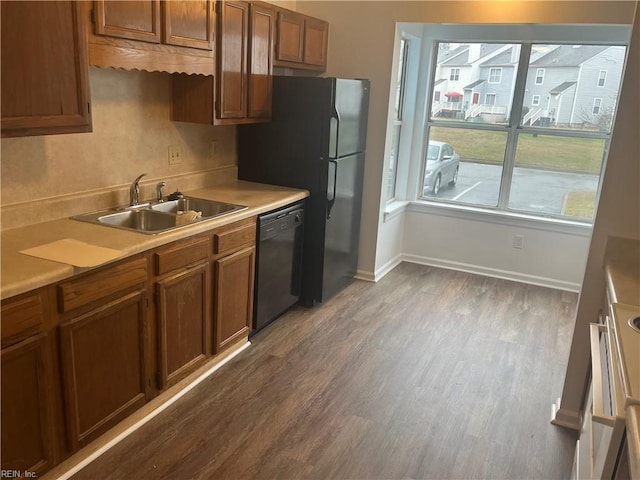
(533, 189)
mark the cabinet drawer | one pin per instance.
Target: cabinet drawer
(84, 290)
(236, 237)
(21, 318)
(182, 255)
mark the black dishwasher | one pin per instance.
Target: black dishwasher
(279, 262)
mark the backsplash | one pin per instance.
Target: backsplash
(131, 135)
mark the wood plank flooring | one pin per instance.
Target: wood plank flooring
(429, 373)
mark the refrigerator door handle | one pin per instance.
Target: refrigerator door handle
(332, 200)
(334, 129)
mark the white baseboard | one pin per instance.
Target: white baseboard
(565, 418)
(492, 272)
(370, 276)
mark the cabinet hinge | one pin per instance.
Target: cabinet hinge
(93, 16)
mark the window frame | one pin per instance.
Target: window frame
(513, 129)
(597, 104)
(535, 100)
(456, 74)
(491, 71)
(541, 77)
(603, 78)
(486, 98)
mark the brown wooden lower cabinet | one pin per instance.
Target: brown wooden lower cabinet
(233, 296)
(183, 322)
(27, 406)
(103, 366)
(79, 356)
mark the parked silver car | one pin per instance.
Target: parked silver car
(442, 167)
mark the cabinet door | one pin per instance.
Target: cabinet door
(45, 90)
(188, 23)
(316, 34)
(103, 366)
(134, 20)
(289, 47)
(27, 406)
(261, 31)
(233, 297)
(231, 83)
(183, 322)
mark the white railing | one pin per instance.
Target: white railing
(492, 109)
(474, 111)
(452, 106)
(532, 116)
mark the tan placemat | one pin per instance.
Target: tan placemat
(73, 252)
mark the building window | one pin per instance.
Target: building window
(397, 118)
(454, 75)
(597, 105)
(544, 161)
(495, 75)
(602, 78)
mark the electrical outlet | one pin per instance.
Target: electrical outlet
(175, 154)
(215, 148)
(518, 241)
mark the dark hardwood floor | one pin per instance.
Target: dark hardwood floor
(429, 373)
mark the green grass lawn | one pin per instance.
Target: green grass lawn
(579, 204)
(568, 153)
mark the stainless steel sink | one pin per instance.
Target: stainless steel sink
(635, 323)
(143, 220)
(153, 218)
(209, 208)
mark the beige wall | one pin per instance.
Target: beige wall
(131, 135)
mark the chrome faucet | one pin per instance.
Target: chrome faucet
(134, 191)
(159, 188)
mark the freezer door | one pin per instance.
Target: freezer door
(348, 127)
(342, 229)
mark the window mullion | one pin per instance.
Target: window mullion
(514, 124)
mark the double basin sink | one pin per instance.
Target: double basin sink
(159, 217)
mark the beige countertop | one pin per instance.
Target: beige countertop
(21, 273)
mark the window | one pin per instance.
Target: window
(597, 104)
(398, 114)
(602, 78)
(495, 75)
(504, 155)
(454, 75)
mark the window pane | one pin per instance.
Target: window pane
(472, 173)
(474, 82)
(400, 80)
(556, 175)
(393, 163)
(567, 79)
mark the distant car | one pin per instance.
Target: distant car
(442, 166)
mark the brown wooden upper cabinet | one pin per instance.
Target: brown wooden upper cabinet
(178, 22)
(301, 41)
(241, 92)
(45, 90)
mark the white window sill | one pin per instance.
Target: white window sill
(394, 208)
(500, 217)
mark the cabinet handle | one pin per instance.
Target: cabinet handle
(598, 414)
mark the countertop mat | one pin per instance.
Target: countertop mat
(73, 252)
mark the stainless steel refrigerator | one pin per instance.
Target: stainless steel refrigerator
(316, 141)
